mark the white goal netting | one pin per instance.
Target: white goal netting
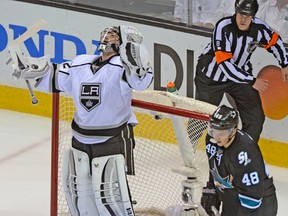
(169, 149)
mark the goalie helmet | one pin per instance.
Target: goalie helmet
(224, 118)
(105, 46)
(122, 34)
(246, 7)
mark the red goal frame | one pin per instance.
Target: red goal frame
(55, 137)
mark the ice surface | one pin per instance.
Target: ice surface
(25, 167)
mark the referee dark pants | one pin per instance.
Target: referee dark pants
(246, 98)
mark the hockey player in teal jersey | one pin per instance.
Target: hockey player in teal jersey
(238, 175)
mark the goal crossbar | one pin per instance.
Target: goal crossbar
(170, 110)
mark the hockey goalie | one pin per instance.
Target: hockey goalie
(101, 154)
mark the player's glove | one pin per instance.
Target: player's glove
(35, 68)
(130, 34)
(135, 58)
(210, 198)
(133, 53)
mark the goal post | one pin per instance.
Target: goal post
(170, 156)
(54, 154)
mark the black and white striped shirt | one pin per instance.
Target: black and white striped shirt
(227, 56)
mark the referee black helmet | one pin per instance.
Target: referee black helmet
(246, 7)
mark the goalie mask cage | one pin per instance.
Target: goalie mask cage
(170, 146)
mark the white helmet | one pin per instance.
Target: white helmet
(104, 45)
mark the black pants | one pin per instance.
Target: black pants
(269, 203)
(123, 143)
(246, 98)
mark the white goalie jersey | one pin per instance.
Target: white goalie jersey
(102, 95)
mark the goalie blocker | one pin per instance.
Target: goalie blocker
(35, 68)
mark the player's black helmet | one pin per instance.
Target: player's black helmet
(224, 118)
(246, 7)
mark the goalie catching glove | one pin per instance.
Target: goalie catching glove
(134, 55)
(35, 68)
(135, 58)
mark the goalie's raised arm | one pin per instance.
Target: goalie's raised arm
(135, 58)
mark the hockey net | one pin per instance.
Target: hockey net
(169, 152)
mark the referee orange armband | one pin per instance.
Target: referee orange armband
(222, 56)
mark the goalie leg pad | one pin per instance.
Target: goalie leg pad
(77, 183)
(110, 186)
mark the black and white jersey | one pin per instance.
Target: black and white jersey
(102, 95)
(227, 56)
(240, 168)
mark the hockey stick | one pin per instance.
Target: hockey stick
(215, 211)
(15, 52)
(29, 33)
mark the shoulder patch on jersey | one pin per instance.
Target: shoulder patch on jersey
(243, 158)
(90, 96)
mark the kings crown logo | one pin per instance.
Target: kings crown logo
(89, 103)
(90, 96)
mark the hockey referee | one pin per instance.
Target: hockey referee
(225, 67)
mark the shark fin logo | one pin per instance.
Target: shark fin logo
(221, 182)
